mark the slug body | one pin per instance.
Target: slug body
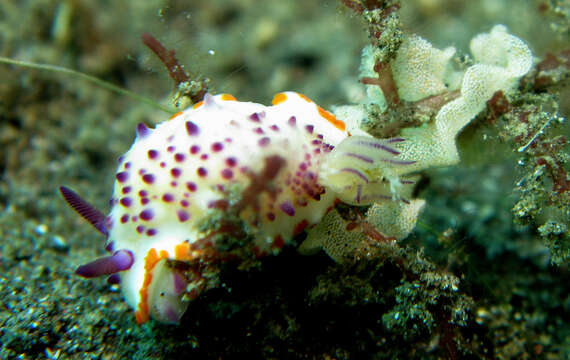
(288, 164)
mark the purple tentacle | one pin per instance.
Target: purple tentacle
(358, 194)
(86, 210)
(355, 172)
(360, 157)
(396, 139)
(399, 162)
(377, 145)
(119, 261)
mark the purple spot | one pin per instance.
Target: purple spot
(124, 218)
(202, 172)
(264, 141)
(145, 201)
(192, 128)
(231, 161)
(194, 149)
(143, 193)
(168, 197)
(151, 232)
(274, 127)
(302, 166)
(179, 157)
(126, 190)
(182, 215)
(227, 174)
(126, 201)
(162, 164)
(122, 176)
(176, 172)
(258, 131)
(270, 216)
(316, 142)
(191, 186)
(153, 154)
(148, 178)
(127, 165)
(171, 148)
(140, 229)
(184, 203)
(287, 208)
(204, 157)
(228, 140)
(217, 146)
(108, 222)
(254, 117)
(173, 184)
(309, 128)
(292, 121)
(146, 214)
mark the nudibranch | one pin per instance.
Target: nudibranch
(295, 159)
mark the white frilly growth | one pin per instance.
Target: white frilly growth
(502, 59)
(420, 70)
(363, 170)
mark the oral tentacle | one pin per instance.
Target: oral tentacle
(121, 260)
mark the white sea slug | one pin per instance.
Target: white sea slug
(176, 175)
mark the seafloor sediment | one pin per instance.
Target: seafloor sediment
(468, 283)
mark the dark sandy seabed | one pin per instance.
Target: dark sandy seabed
(508, 301)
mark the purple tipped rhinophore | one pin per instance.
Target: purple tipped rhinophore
(83, 208)
(119, 261)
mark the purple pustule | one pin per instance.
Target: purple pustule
(192, 129)
(287, 208)
(142, 131)
(121, 260)
(114, 279)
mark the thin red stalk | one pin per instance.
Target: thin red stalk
(167, 57)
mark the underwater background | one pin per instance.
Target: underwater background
(483, 276)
